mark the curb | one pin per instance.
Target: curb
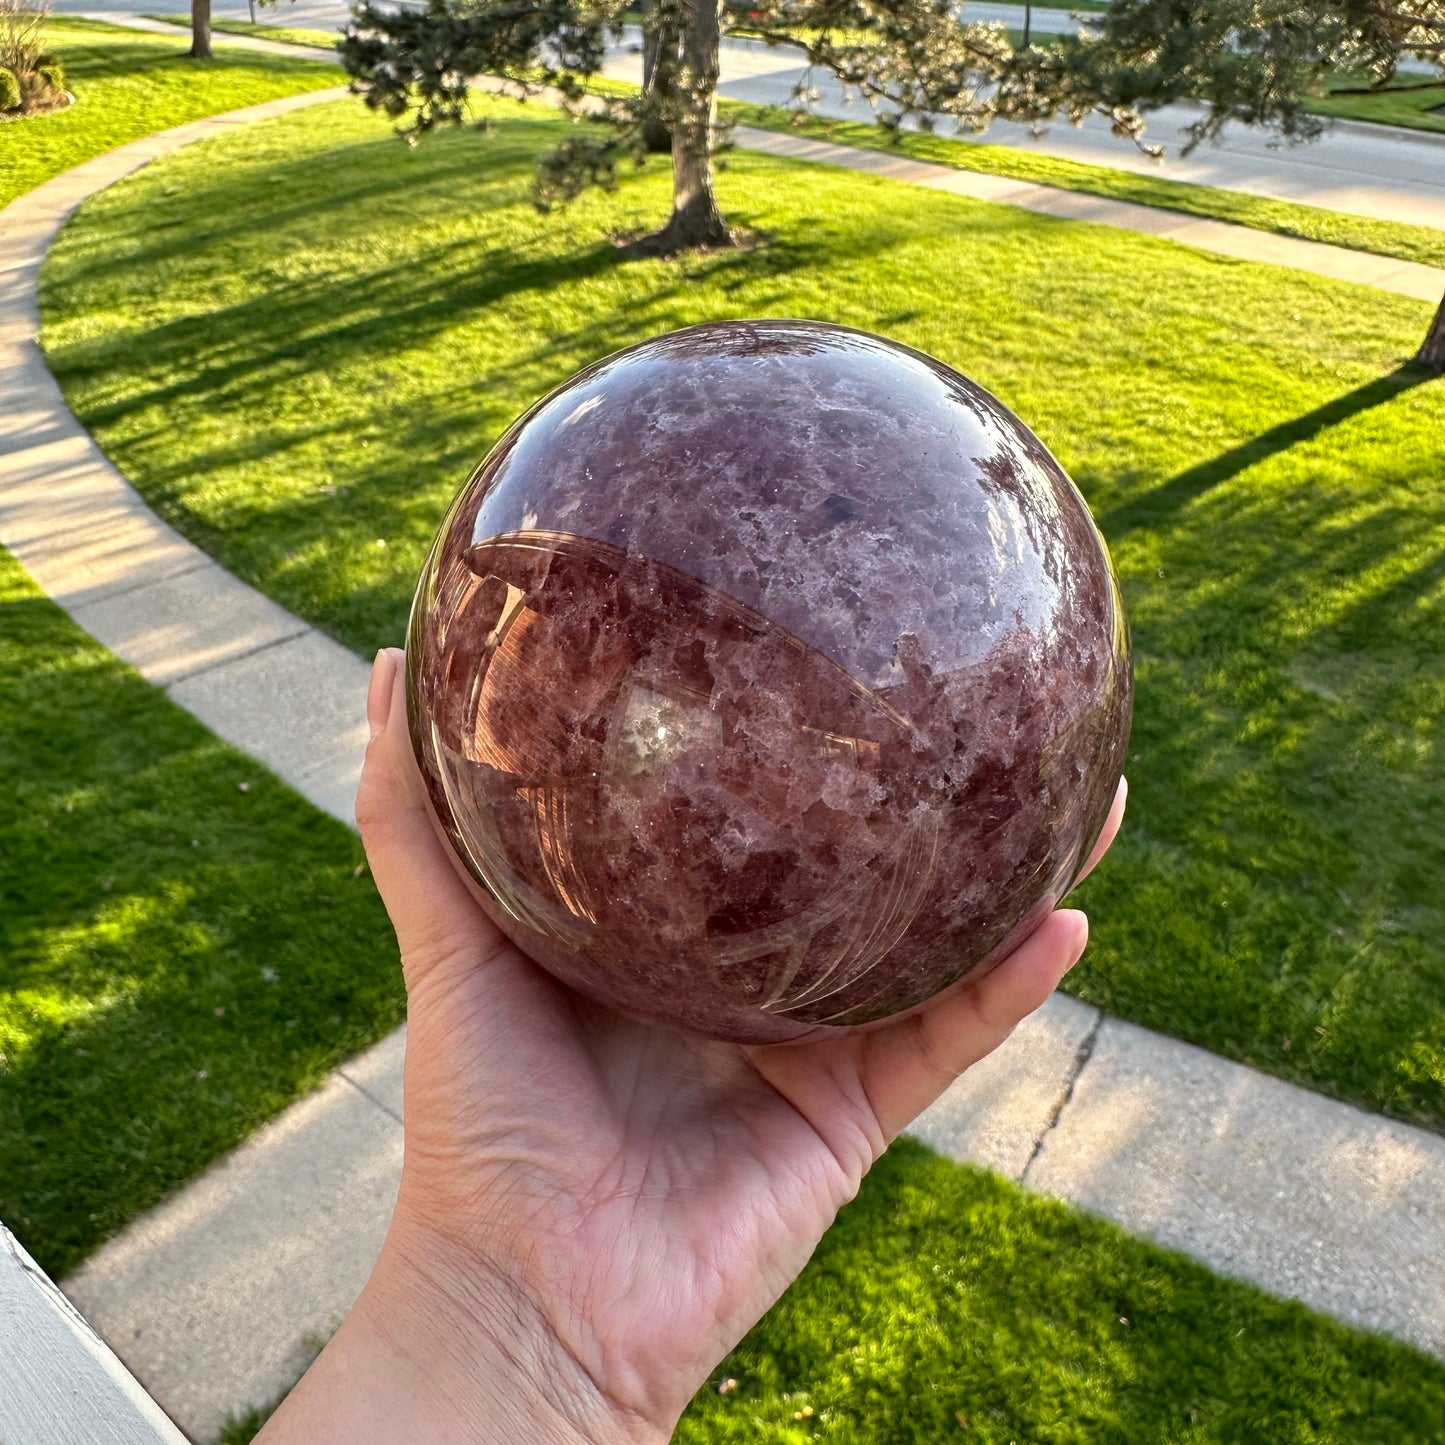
(1370, 128)
(209, 1298)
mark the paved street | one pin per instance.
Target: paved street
(1042, 22)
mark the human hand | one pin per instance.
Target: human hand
(593, 1210)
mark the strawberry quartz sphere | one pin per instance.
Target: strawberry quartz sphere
(767, 679)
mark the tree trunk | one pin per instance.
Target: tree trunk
(1431, 354)
(659, 62)
(200, 29)
(696, 220)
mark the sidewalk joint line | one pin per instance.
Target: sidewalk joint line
(368, 1095)
(220, 662)
(130, 587)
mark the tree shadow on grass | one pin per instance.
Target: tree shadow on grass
(304, 321)
(235, 356)
(228, 352)
(96, 56)
(201, 200)
(1156, 504)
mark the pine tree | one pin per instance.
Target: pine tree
(1251, 61)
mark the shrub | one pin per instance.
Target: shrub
(38, 77)
(9, 89)
(21, 45)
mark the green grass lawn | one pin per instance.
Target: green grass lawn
(185, 945)
(1425, 244)
(130, 85)
(946, 1305)
(297, 340)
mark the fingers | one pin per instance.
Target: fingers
(1108, 832)
(910, 1063)
(434, 915)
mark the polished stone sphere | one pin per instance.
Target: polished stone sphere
(769, 678)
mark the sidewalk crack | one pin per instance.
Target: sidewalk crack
(1085, 1053)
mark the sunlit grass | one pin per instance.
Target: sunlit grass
(1407, 102)
(947, 1305)
(129, 85)
(1425, 244)
(287, 34)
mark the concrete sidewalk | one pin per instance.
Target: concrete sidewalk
(212, 1299)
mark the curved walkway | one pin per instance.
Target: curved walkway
(212, 1298)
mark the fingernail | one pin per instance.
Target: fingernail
(378, 694)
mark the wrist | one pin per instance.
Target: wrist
(471, 1304)
(442, 1347)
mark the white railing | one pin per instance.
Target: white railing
(59, 1382)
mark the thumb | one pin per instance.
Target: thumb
(435, 916)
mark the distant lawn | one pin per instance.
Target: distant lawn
(946, 1305)
(298, 338)
(129, 85)
(1425, 244)
(1405, 102)
(185, 944)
